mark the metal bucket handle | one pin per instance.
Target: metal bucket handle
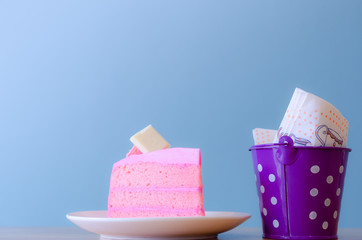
(286, 154)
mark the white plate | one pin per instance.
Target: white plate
(163, 227)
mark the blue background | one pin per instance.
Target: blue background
(78, 78)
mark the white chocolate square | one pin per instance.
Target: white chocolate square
(149, 140)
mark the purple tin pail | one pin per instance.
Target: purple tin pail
(299, 188)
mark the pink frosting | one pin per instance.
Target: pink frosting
(164, 189)
(165, 156)
(134, 151)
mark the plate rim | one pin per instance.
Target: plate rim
(97, 222)
(231, 215)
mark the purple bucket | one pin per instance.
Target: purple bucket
(299, 188)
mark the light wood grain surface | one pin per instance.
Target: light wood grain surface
(74, 233)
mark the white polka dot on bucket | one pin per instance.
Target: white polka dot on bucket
(275, 223)
(271, 177)
(260, 167)
(315, 169)
(335, 214)
(265, 212)
(313, 192)
(327, 202)
(341, 169)
(312, 215)
(262, 189)
(273, 200)
(338, 192)
(325, 225)
(329, 179)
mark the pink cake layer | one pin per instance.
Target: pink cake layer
(184, 199)
(160, 183)
(155, 174)
(155, 212)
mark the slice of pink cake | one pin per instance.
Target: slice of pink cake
(163, 183)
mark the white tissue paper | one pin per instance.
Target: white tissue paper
(263, 136)
(312, 121)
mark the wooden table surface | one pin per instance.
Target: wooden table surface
(74, 233)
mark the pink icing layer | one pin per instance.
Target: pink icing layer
(134, 151)
(166, 156)
(160, 189)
